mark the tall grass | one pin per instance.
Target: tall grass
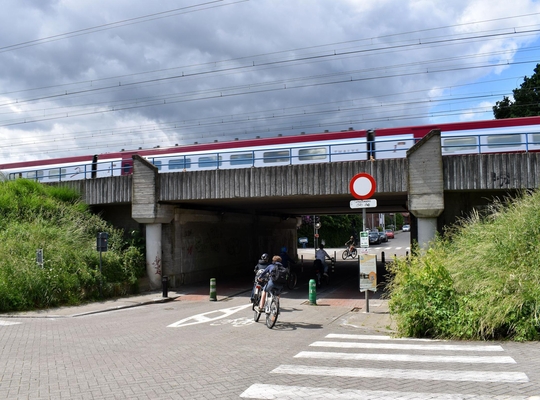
(480, 281)
(34, 216)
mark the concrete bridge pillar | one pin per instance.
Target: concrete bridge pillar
(146, 209)
(426, 186)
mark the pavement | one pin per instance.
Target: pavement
(352, 303)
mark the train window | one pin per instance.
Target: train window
(34, 175)
(276, 156)
(451, 145)
(535, 138)
(504, 140)
(57, 173)
(157, 163)
(242, 159)
(209, 161)
(318, 153)
(180, 163)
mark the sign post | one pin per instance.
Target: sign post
(362, 187)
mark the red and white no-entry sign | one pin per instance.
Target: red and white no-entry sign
(362, 186)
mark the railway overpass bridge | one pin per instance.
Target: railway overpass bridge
(203, 224)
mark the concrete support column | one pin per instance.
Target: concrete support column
(153, 255)
(146, 209)
(426, 188)
(427, 229)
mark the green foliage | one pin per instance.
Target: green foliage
(34, 216)
(526, 99)
(335, 229)
(480, 281)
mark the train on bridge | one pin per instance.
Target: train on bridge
(490, 136)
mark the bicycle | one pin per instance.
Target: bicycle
(292, 279)
(271, 308)
(349, 253)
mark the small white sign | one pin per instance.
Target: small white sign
(363, 203)
(364, 239)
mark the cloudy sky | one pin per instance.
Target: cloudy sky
(93, 76)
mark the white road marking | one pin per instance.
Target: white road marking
(207, 316)
(264, 391)
(407, 358)
(417, 374)
(8, 323)
(400, 346)
(374, 337)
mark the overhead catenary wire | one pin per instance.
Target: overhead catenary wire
(62, 112)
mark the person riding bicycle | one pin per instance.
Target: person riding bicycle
(322, 255)
(350, 244)
(286, 260)
(261, 265)
(270, 284)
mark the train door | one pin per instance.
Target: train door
(127, 166)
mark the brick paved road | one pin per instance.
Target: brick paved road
(135, 353)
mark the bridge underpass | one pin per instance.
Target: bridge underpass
(204, 224)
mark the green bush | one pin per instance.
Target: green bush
(35, 216)
(480, 281)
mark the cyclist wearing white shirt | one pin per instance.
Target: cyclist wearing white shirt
(321, 254)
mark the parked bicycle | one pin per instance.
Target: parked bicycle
(349, 253)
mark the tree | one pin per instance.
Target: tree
(526, 99)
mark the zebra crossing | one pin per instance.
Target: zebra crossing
(481, 366)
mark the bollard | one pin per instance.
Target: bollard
(382, 257)
(165, 285)
(312, 292)
(213, 296)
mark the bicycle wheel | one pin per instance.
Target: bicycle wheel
(345, 254)
(291, 282)
(256, 315)
(354, 253)
(272, 316)
(256, 300)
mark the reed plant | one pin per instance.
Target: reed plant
(35, 216)
(480, 280)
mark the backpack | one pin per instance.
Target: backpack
(279, 274)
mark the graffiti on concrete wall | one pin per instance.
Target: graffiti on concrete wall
(501, 180)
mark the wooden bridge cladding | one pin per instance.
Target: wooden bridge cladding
(461, 173)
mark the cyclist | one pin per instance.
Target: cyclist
(270, 284)
(262, 264)
(286, 260)
(322, 255)
(350, 244)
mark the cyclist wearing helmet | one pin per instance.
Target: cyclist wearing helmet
(287, 261)
(261, 265)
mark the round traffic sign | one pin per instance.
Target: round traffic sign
(362, 186)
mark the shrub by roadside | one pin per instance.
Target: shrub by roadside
(35, 216)
(481, 281)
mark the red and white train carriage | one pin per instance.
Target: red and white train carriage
(491, 136)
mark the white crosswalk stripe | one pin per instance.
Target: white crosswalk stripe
(8, 323)
(265, 391)
(384, 349)
(395, 373)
